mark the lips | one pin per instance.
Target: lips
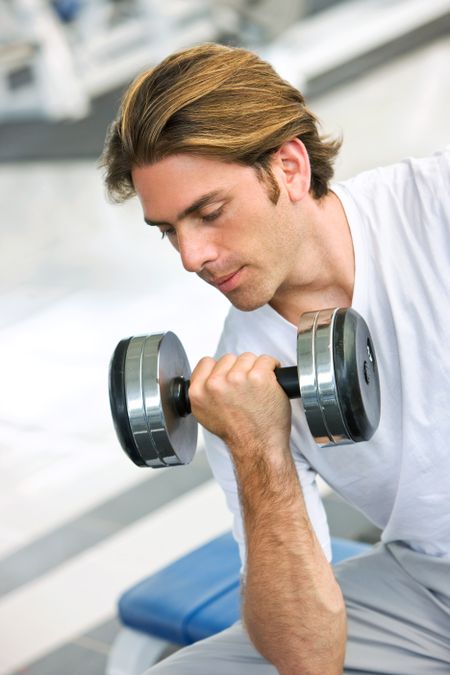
(222, 280)
(228, 283)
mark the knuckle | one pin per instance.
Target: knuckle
(214, 384)
(225, 362)
(257, 377)
(227, 358)
(206, 360)
(203, 366)
(267, 360)
(236, 377)
(247, 356)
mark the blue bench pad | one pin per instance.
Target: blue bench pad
(197, 595)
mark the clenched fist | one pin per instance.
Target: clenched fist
(239, 399)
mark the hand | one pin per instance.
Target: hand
(239, 399)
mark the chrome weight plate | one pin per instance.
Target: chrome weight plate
(158, 436)
(337, 380)
(118, 402)
(174, 436)
(338, 376)
(356, 372)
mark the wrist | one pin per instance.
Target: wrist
(266, 473)
(272, 455)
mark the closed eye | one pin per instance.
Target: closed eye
(210, 217)
(167, 233)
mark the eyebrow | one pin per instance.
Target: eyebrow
(199, 203)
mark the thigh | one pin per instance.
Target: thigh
(227, 653)
(397, 625)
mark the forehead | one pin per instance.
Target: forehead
(174, 182)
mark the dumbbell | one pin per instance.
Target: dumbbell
(336, 377)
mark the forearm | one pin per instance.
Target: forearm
(292, 606)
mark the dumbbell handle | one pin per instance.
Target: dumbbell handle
(286, 377)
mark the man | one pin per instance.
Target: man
(227, 162)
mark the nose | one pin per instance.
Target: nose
(196, 250)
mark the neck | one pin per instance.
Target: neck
(324, 273)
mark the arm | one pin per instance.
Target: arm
(292, 607)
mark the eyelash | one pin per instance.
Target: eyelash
(206, 219)
(212, 216)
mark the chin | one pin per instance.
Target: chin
(249, 304)
(246, 307)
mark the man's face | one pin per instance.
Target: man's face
(219, 217)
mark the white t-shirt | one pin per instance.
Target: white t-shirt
(399, 218)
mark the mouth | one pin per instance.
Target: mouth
(226, 284)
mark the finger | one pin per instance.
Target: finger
(263, 369)
(244, 363)
(208, 367)
(266, 363)
(224, 365)
(202, 370)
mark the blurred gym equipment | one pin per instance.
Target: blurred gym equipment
(57, 56)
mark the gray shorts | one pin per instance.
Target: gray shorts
(398, 611)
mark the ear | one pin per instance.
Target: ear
(291, 162)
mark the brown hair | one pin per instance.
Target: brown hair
(216, 101)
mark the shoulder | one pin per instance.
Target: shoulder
(413, 177)
(410, 198)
